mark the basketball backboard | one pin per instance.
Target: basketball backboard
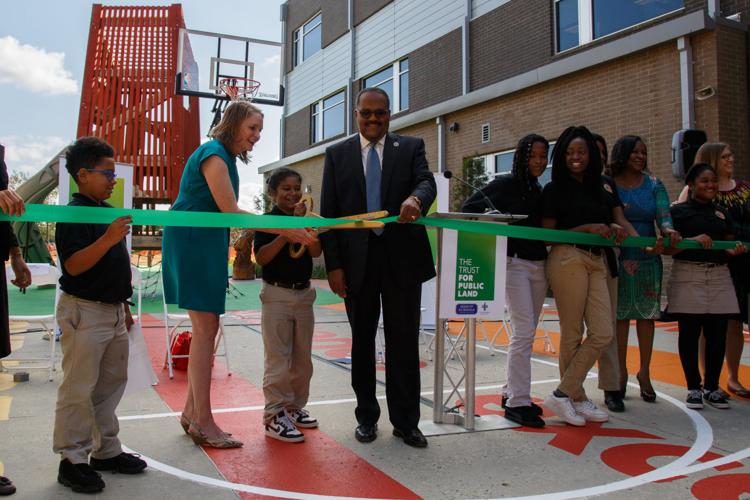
(205, 58)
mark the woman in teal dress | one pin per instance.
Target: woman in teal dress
(194, 259)
(646, 206)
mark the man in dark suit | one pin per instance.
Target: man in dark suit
(10, 204)
(375, 170)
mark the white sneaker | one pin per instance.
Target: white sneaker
(563, 407)
(590, 412)
(282, 428)
(302, 418)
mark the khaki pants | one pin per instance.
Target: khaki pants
(609, 362)
(94, 344)
(287, 322)
(579, 283)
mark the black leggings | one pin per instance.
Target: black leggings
(714, 328)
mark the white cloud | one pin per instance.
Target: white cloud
(29, 154)
(248, 192)
(33, 68)
(273, 60)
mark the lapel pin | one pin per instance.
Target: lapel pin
(395, 144)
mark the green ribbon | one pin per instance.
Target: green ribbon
(97, 215)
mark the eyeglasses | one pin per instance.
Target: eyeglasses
(367, 113)
(109, 174)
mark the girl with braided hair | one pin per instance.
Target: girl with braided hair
(520, 193)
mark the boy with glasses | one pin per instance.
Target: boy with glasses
(94, 317)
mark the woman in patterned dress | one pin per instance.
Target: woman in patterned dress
(734, 198)
(646, 205)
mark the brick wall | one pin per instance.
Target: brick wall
(297, 132)
(729, 7)
(435, 71)
(510, 40)
(334, 19)
(732, 95)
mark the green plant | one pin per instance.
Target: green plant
(473, 171)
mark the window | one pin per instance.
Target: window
(580, 21)
(503, 164)
(306, 40)
(397, 88)
(328, 117)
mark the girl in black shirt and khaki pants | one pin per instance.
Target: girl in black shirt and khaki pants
(700, 289)
(578, 199)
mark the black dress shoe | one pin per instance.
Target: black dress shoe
(124, 463)
(366, 433)
(613, 400)
(538, 411)
(524, 415)
(413, 437)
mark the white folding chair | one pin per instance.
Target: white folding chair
(41, 274)
(183, 321)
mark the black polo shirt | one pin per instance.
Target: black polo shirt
(283, 268)
(571, 205)
(692, 218)
(508, 195)
(109, 280)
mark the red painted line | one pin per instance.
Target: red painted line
(320, 465)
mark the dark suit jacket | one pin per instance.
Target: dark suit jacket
(405, 173)
(7, 237)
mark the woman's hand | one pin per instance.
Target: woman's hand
(703, 240)
(602, 230)
(738, 249)
(674, 237)
(658, 247)
(618, 232)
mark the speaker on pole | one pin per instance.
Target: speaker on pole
(685, 144)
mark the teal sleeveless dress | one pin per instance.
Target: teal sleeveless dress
(194, 259)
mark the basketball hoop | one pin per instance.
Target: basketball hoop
(239, 89)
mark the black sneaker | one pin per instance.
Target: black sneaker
(694, 400)
(124, 463)
(80, 477)
(538, 411)
(716, 399)
(524, 415)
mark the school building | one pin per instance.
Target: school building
(471, 77)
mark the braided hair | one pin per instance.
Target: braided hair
(521, 157)
(592, 176)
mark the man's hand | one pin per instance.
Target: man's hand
(11, 203)
(337, 282)
(117, 231)
(703, 240)
(410, 210)
(618, 232)
(21, 270)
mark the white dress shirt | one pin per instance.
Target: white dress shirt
(365, 145)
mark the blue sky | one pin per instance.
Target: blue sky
(42, 57)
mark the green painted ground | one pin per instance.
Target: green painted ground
(242, 296)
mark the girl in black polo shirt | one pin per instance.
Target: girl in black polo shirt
(287, 318)
(526, 285)
(700, 288)
(578, 199)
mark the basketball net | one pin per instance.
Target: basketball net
(239, 89)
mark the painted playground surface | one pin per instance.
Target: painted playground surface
(652, 450)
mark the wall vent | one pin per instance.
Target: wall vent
(485, 133)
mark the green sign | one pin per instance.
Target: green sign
(475, 267)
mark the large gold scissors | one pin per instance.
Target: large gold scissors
(360, 221)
